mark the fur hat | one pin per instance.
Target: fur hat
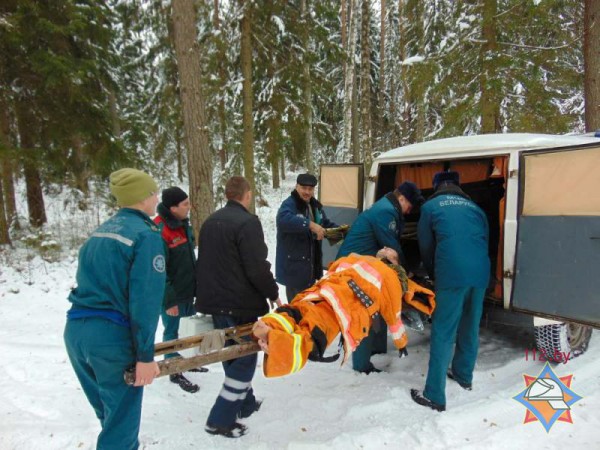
(131, 186)
(449, 176)
(173, 196)
(412, 193)
(306, 179)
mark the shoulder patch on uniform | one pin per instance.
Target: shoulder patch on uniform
(392, 225)
(159, 263)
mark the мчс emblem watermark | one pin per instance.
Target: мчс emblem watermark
(548, 398)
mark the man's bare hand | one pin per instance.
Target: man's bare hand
(145, 373)
(318, 230)
(261, 332)
(173, 311)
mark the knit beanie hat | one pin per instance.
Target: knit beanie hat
(449, 176)
(130, 186)
(173, 196)
(412, 193)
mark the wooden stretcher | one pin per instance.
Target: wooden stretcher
(211, 346)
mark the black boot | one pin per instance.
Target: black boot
(465, 386)
(234, 431)
(184, 383)
(245, 414)
(419, 398)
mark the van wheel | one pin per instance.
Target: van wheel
(558, 340)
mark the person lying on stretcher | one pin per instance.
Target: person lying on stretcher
(355, 289)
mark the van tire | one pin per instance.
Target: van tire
(562, 339)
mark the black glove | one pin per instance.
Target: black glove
(402, 352)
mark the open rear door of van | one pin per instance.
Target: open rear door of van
(558, 242)
(341, 194)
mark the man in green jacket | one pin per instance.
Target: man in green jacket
(176, 231)
(115, 308)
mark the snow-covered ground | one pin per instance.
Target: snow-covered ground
(324, 406)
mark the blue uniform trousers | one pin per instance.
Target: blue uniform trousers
(455, 320)
(100, 351)
(236, 396)
(171, 324)
(374, 342)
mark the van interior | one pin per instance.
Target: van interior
(481, 178)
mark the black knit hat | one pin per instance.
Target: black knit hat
(173, 196)
(412, 193)
(306, 179)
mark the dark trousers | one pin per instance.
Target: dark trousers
(236, 396)
(455, 319)
(171, 324)
(100, 351)
(291, 292)
(375, 342)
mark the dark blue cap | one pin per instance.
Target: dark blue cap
(412, 193)
(449, 176)
(306, 179)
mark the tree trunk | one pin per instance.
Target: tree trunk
(591, 54)
(4, 149)
(307, 90)
(344, 32)
(4, 235)
(382, 131)
(350, 79)
(365, 85)
(273, 125)
(179, 150)
(222, 82)
(246, 62)
(405, 127)
(81, 170)
(490, 101)
(187, 53)
(10, 203)
(33, 181)
(6, 157)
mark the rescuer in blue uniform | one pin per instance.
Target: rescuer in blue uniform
(379, 226)
(453, 241)
(115, 309)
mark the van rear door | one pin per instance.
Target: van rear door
(341, 194)
(558, 239)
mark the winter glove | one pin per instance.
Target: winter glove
(402, 353)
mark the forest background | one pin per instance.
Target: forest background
(194, 91)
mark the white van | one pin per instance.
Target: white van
(541, 194)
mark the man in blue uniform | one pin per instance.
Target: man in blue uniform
(115, 308)
(301, 224)
(453, 241)
(379, 227)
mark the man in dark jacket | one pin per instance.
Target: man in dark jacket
(453, 241)
(301, 224)
(379, 227)
(176, 231)
(233, 283)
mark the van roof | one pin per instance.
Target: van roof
(482, 145)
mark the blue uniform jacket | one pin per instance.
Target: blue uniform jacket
(122, 268)
(453, 240)
(298, 261)
(379, 226)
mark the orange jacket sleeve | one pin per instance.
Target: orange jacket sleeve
(289, 346)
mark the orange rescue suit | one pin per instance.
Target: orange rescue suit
(344, 301)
